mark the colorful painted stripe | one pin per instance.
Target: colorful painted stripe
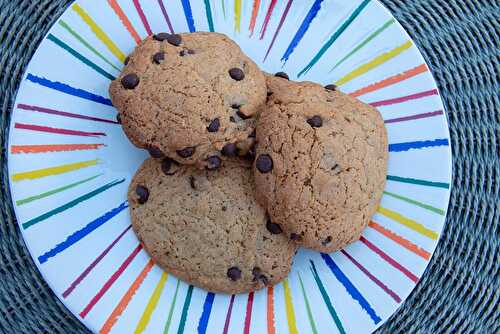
(400, 240)
(253, 19)
(67, 89)
(414, 117)
(290, 313)
(248, 314)
(189, 15)
(27, 149)
(172, 308)
(59, 131)
(351, 289)
(406, 98)
(62, 113)
(269, 13)
(151, 306)
(55, 191)
(374, 63)
(270, 311)
(417, 203)
(80, 57)
(415, 145)
(315, 8)
(99, 33)
(374, 279)
(50, 171)
(142, 16)
(278, 29)
(419, 182)
(185, 308)
(364, 42)
(308, 307)
(205, 315)
(326, 299)
(335, 36)
(93, 264)
(237, 15)
(71, 204)
(208, 12)
(165, 15)
(81, 233)
(125, 21)
(417, 227)
(127, 297)
(228, 315)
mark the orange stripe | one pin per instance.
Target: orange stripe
(400, 240)
(255, 11)
(270, 310)
(127, 297)
(390, 81)
(16, 149)
(118, 10)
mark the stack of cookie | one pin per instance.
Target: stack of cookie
(245, 167)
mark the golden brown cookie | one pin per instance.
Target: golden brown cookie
(321, 163)
(206, 227)
(188, 96)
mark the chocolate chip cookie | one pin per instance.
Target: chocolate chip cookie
(321, 163)
(206, 227)
(188, 96)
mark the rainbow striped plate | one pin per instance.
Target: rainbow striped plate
(70, 165)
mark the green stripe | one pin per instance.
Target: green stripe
(326, 298)
(209, 15)
(86, 44)
(364, 42)
(80, 57)
(71, 204)
(187, 301)
(54, 191)
(223, 8)
(417, 203)
(308, 307)
(171, 311)
(418, 182)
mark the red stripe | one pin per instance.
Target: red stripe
(165, 15)
(143, 17)
(63, 113)
(372, 277)
(110, 281)
(228, 316)
(248, 316)
(267, 18)
(389, 259)
(40, 128)
(282, 20)
(414, 117)
(405, 98)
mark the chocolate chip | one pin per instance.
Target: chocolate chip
(235, 106)
(256, 272)
(192, 182)
(282, 75)
(258, 276)
(130, 81)
(264, 163)
(253, 134)
(250, 156)
(143, 194)
(331, 87)
(161, 36)
(237, 74)
(234, 273)
(155, 152)
(159, 57)
(186, 152)
(327, 240)
(224, 208)
(118, 118)
(126, 61)
(273, 228)
(242, 115)
(186, 53)
(315, 121)
(295, 237)
(213, 162)
(174, 39)
(231, 119)
(166, 166)
(214, 125)
(229, 150)
(263, 279)
(269, 94)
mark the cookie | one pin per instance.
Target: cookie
(321, 163)
(206, 227)
(187, 96)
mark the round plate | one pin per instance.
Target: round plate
(70, 165)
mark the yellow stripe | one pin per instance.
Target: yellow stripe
(99, 32)
(39, 173)
(417, 227)
(290, 314)
(374, 63)
(237, 15)
(153, 301)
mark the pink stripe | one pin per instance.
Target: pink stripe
(373, 278)
(267, 18)
(414, 117)
(248, 316)
(143, 17)
(404, 98)
(283, 17)
(63, 113)
(98, 259)
(228, 315)
(389, 259)
(165, 15)
(40, 128)
(110, 281)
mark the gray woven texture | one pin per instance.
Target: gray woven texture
(459, 293)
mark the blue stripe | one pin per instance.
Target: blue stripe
(302, 29)
(189, 15)
(351, 289)
(207, 308)
(400, 147)
(82, 233)
(67, 89)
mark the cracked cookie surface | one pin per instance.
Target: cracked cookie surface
(187, 96)
(206, 227)
(321, 163)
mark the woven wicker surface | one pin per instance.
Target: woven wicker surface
(460, 291)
